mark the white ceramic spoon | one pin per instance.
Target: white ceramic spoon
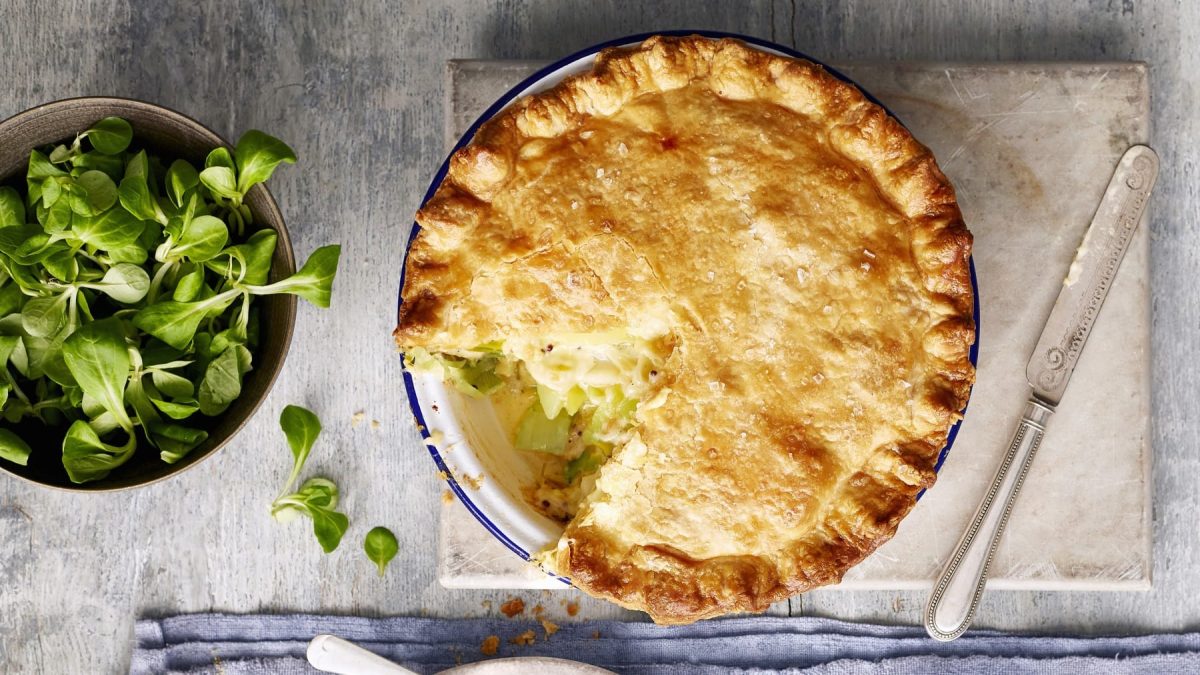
(332, 654)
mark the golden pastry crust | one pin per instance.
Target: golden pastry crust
(807, 258)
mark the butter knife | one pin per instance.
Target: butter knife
(958, 590)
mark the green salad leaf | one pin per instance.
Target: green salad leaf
(219, 157)
(181, 177)
(175, 441)
(114, 229)
(12, 208)
(202, 239)
(317, 498)
(301, 427)
(92, 193)
(248, 263)
(87, 458)
(110, 135)
(175, 323)
(257, 155)
(381, 546)
(12, 447)
(222, 382)
(123, 282)
(314, 281)
(98, 359)
(135, 197)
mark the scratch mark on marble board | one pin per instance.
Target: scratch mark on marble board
(973, 134)
(961, 100)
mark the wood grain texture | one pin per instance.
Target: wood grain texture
(356, 88)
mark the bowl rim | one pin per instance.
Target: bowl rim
(283, 240)
(554, 73)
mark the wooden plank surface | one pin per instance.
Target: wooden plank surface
(356, 88)
(989, 123)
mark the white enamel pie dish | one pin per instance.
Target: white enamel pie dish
(465, 436)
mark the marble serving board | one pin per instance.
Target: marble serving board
(1029, 148)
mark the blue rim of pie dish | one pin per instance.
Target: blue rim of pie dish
(513, 92)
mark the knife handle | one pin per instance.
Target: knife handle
(958, 590)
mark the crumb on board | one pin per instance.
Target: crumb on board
(513, 607)
(357, 418)
(374, 424)
(595, 635)
(447, 496)
(572, 608)
(538, 609)
(490, 645)
(443, 475)
(486, 604)
(549, 626)
(524, 639)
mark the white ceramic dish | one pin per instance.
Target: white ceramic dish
(464, 435)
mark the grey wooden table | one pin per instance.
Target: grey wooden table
(356, 88)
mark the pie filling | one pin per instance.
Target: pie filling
(568, 401)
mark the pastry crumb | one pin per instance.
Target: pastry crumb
(513, 607)
(486, 604)
(443, 475)
(595, 635)
(538, 609)
(447, 496)
(357, 418)
(572, 608)
(524, 639)
(473, 482)
(549, 626)
(374, 424)
(490, 645)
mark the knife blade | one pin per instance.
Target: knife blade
(1091, 274)
(958, 591)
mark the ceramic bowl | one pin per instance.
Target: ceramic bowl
(170, 135)
(464, 435)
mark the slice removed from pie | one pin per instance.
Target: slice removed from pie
(728, 299)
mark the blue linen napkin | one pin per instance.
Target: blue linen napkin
(255, 644)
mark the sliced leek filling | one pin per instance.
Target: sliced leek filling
(571, 401)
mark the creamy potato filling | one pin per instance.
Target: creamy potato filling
(569, 400)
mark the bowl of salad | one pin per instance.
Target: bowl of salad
(147, 290)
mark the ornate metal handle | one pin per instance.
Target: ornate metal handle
(958, 590)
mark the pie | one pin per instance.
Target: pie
(729, 299)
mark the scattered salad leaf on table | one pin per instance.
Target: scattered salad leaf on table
(317, 497)
(127, 299)
(301, 427)
(381, 546)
